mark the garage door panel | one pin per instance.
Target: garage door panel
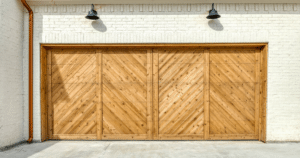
(73, 93)
(125, 92)
(180, 92)
(232, 92)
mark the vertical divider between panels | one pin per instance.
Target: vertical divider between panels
(149, 95)
(99, 95)
(49, 100)
(257, 90)
(155, 94)
(206, 94)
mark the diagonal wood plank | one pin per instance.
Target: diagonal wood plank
(181, 91)
(232, 95)
(126, 92)
(73, 91)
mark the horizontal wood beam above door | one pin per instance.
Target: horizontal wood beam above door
(53, 2)
(200, 45)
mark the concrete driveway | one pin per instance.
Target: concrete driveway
(153, 149)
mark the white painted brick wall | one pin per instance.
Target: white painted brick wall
(277, 24)
(11, 72)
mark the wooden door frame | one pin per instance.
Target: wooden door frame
(263, 73)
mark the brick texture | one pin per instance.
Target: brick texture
(11, 72)
(277, 24)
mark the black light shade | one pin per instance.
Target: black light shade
(213, 14)
(92, 14)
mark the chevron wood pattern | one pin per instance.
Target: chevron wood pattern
(232, 92)
(181, 92)
(73, 93)
(125, 89)
(155, 93)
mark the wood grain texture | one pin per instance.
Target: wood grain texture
(181, 82)
(44, 112)
(126, 92)
(149, 95)
(206, 94)
(155, 95)
(49, 95)
(154, 92)
(74, 137)
(125, 137)
(99, 95)
(263, 94)
(199, 45)
(181, 137)
(232, 92)
(232, 137)
(257, 90)
(73, 89)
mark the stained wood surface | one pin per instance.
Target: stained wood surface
(157, 45)
(155, 95)
(126, 91)
(206, 94)
(49, 95)
(263, 94)
(147, 93)
(232, 92)
(99, 106)
(44, 112)
(181, 83)
(73, 92)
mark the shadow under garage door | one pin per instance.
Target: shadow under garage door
(148, 93)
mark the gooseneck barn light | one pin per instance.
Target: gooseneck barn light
(213, 14)
(92, 14)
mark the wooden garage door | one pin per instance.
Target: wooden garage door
(147, 93)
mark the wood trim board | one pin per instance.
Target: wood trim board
(152, 92)
(263, 92)
(44, 112)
